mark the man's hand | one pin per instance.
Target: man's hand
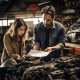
(48, 49)
(57, 47)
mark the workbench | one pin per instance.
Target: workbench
(71, 48)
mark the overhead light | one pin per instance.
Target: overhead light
(44, 3)
(68, 11)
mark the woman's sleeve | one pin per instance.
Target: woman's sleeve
(9, 48)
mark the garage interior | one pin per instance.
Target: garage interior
(67, 13)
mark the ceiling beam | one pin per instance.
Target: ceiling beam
(9, 5)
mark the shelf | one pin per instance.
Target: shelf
(72, 45)
(71, 48)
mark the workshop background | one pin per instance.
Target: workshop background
(67, 13)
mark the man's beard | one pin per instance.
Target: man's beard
(48, 25)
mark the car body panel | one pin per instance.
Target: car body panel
(73, 35)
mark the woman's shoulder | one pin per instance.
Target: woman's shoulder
(7, 36)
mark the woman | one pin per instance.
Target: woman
(14, 42)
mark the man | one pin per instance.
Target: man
(49, 35)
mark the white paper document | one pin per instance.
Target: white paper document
(35, 53)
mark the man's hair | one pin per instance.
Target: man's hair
(48, 10)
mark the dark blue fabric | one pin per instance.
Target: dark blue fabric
(53, 54)
(56, 36)
(47, 37)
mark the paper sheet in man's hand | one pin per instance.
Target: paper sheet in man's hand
(37, 53)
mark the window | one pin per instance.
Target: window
(4, 22)
(40, 19)
(35, 20)
(0, 22)
(10, 21)
(25, 19)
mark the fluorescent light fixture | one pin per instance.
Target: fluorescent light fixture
(68, 11)
(44, 3)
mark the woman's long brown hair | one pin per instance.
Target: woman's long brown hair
(13, 29)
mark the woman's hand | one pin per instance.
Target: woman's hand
(23, 54)
(21, 59)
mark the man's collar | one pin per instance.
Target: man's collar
(53, 26)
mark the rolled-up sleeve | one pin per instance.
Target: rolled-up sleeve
(36, 40)
(61, 39)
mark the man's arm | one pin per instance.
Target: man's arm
(36, 41)
(61, 41)
(57, 47)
